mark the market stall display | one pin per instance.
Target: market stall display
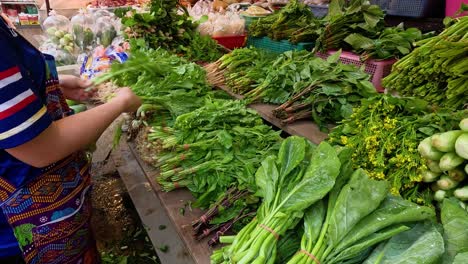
(388, 183)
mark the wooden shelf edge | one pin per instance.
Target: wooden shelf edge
(304, 128)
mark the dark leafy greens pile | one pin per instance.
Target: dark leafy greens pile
(392, 42)
(305, 85)
(295, 22)
(437, 70)
(348, 17)
(165, 27)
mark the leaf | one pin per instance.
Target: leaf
(317, 181)
(313, 220)
(291, 154)
(455, 222)
(358, 41)
(422, 244)
(335, 57)
(370, 241)
(267, 179)
(461, 258)
(357, 199)
(225, 139)
(393, 210)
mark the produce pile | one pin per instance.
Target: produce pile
(305, 85)
(165, 27)
(347, 216)
(372, 193)
(348, 17)
(447, 155)
(385, 132)
(437, 70)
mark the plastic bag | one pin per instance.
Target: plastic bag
(105, 30)
(82, 30)
(56, 22)
(101, 60)
(62, 56)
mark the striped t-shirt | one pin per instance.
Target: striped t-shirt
(23, 115)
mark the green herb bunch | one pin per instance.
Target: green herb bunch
(437, 70)
(167, 25)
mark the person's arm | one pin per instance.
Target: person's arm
(75, 132)
(74, 88)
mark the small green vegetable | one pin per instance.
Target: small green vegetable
(461, 146)
(426, 150)
(440, 195)
(433, 166)
(457, 175)
(450, 161)
(164, 248)
(445, 142)
(461, 193)
(464, 124)
(445, 183)
(429, 176)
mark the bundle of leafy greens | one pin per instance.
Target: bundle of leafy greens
(392, 42)
(310, 87)
(241, 70)
(288, 23)
(348, 17)
(289, 183)
(437, 70)
(213, 151)
(212, 148)
(165, 27)
(161, 78)
(357, 215)
(384, 133)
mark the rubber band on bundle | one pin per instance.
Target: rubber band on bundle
(303, 251)
(270, 230)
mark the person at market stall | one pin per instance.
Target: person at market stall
(44, 170)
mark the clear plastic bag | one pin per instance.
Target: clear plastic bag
(105, 30)
(56, 22)
(62, 56)
(82, 30)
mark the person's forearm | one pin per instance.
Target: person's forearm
(68, 135)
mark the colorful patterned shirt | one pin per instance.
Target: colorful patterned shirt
(23, 114)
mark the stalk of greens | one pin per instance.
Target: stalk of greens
(436, 70)
(299, 176)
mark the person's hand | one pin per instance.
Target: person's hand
(76, 89)
(128, 100)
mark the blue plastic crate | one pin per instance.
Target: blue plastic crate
(415, 8)
(319, 11)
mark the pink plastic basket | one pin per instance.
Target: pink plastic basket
(378, 69)
(452, 6)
